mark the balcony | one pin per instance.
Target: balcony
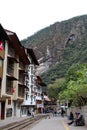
(22, 82)
(11, 51)
(10, 73)
(11, 54)
(10, 70)
(9, 86)
(22, 67)
(9, 90)
(21, 91)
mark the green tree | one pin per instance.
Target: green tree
(54, 89)
(76, 79)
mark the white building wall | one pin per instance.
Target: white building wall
(30, 101)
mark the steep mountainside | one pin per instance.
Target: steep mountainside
(67, 44)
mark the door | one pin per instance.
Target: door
(2, 110)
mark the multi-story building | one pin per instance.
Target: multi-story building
(39, 95)
(20, 87)
(30, 98)
(13, 61)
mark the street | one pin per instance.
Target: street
(56, 123)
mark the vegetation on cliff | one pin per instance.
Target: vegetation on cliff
(67, 41)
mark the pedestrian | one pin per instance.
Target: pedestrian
(71, 116)
(74, 119)
(32, 113)
(62, 112)
(29, 113)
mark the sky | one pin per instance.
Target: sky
(26, 17)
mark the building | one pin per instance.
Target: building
(30, 99)
(21, 90)
(12, 71)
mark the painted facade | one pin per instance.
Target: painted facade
(19, 91)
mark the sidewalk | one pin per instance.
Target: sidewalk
(11, 120)
(72, 127)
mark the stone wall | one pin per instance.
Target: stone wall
(84, 111)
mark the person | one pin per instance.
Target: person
(71, 117)
(53, 112)
(29, 113)
(79, 121)
(32, 112)
(74, 119)
(62, 112)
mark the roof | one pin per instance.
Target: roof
(32, 55)
(13, 39)
(39, 81)
(3, 35)
(19, 49)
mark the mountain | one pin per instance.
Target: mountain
(60, 45)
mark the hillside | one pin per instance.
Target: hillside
(64, 43)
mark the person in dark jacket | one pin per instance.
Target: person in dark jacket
(71, 116)
(62, 112)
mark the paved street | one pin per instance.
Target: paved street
(56, 123)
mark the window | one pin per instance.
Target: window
(9, 101)
(27, 96)
(9, 112)
(9, 86)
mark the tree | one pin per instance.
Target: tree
(54, 89)
(76, 79)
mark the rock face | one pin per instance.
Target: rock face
(57, 37)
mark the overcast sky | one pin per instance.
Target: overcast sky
(26, 17)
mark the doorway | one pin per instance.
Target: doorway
(2, 110)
